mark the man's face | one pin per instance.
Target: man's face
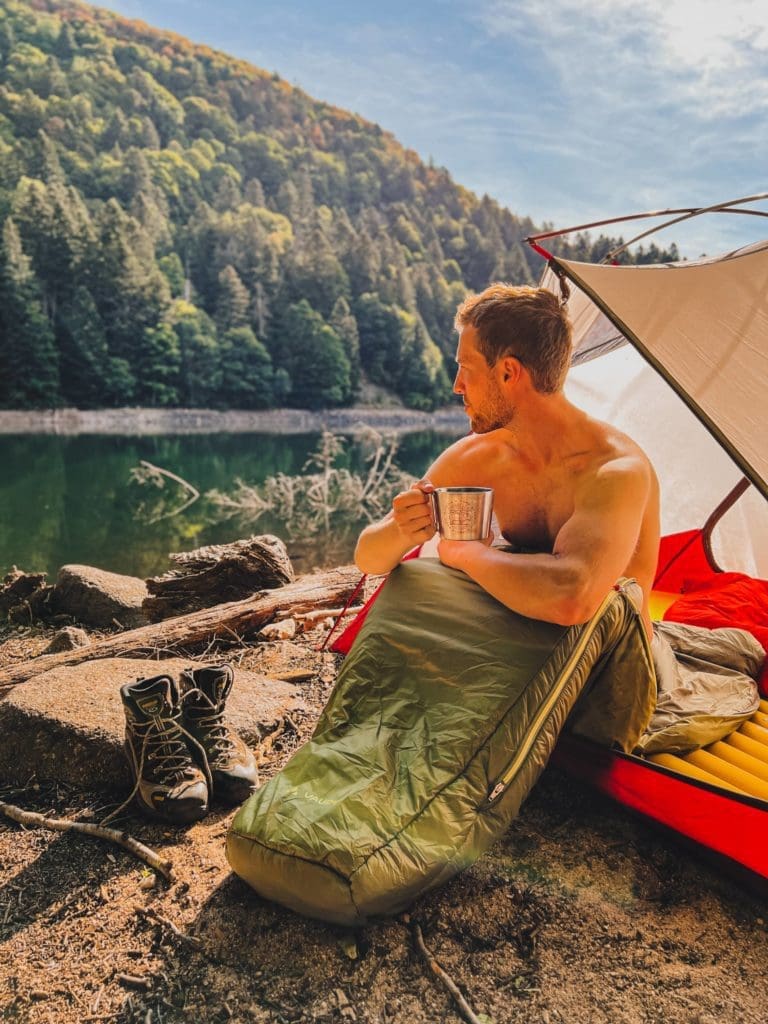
(484, 401)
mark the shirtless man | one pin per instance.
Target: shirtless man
(577, 492)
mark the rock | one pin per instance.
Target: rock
(68, 639)
(67, 724)
(98, 598)
(283, 630)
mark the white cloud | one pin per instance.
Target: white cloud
(705, 54)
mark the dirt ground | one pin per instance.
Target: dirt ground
(581, 913)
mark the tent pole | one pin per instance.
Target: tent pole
(684, 212)
(727, 503)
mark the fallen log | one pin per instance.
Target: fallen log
(222, 572)
(24, 596)
(238, 619)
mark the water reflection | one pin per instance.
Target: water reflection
(71, 499)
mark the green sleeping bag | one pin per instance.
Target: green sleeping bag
(443, 716)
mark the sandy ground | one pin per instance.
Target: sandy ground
(581, 913)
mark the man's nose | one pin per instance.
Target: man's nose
(458, 384)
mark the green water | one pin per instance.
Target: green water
(71, 499)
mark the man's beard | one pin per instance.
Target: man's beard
(494, 414)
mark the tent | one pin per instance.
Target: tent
(677, 356)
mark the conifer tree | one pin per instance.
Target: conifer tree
(314, 358)
(316, 273)
(157, 366)
(200, 378)
(344, 324)
(89, 379)
(29, 360)
(233, 301)
(254, 192)
(247, 376)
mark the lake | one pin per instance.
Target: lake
(66, 499)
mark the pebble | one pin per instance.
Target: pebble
(283, 630)
(68, 639)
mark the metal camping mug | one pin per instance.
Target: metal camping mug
(462, 513)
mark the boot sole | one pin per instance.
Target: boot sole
(229, 792)
(182, 815)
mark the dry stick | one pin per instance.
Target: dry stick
(243, 618)
(298, 675)
(464, 1008)
(97, 1000)
(384, 470)
(264, 748)
(163, 867)
(134, 981)
(193, 491)
(324, 613)
(152, 915)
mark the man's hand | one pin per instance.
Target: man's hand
(412, 512)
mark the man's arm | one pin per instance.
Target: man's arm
(409, 523)
(591, 551)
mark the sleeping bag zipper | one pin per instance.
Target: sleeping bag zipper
(544, 711)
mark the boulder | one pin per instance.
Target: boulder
(68, 724)
(98, 598)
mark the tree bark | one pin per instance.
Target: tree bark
(212, 575)
(238, 619)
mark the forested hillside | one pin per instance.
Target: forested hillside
(181, 228)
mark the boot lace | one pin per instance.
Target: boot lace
(209, 719)
(164, 745)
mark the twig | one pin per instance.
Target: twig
(195, 494)
(265, 746)
(75, 997)
(289, 721)
(134, 981)
(97, 1000)
(298, 675)
(465, 1009)
(326, 613)
(163, 867)
(152, 915)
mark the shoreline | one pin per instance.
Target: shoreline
(138, 421)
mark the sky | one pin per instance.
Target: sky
(566, 111)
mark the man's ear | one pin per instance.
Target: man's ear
(510, 369)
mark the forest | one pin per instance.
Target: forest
(180, 228)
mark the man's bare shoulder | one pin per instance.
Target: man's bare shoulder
(619, 461)
(462, 460)
(618, 450)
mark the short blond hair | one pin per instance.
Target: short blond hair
(528, 323)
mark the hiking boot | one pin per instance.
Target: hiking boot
(168, 783)
(230, 762)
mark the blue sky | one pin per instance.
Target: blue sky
(564, 110)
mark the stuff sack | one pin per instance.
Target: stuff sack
(443, 716)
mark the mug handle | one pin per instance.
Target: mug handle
(435, 511)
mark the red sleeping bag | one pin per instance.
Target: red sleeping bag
(711, 598)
